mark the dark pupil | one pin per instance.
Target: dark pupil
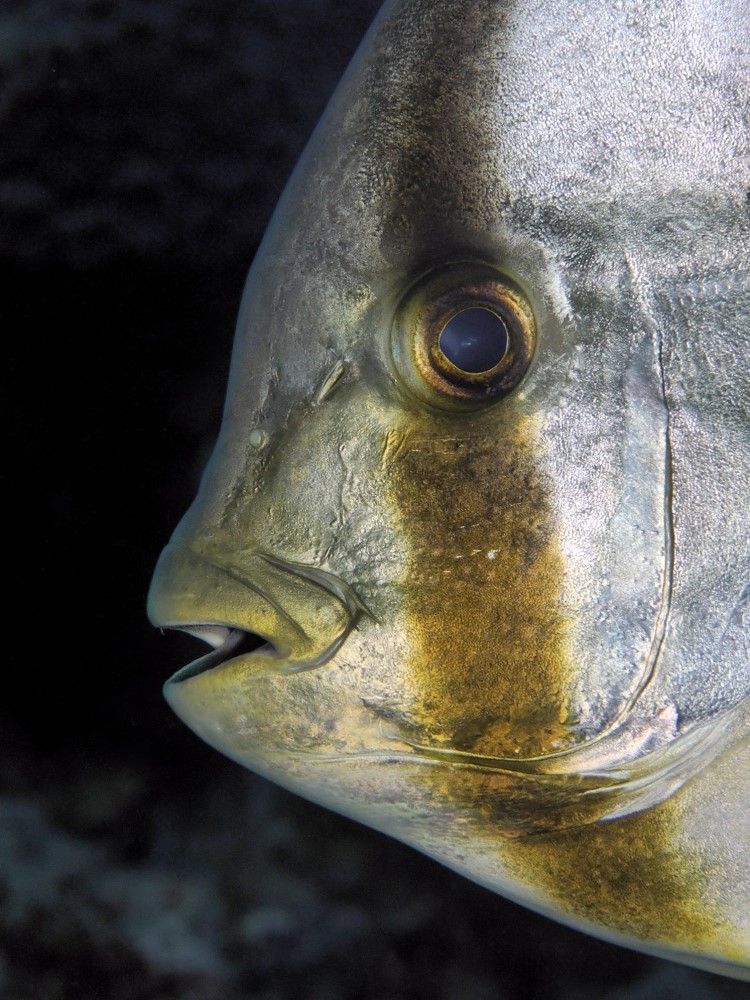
(474, 340)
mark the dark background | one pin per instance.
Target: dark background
(142, 148)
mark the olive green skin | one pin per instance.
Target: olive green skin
(512, 632)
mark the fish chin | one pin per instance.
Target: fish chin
(302, 730)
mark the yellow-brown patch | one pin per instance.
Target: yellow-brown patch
(631, 875)
(492, 675)
(489, 660)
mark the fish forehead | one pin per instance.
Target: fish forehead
(619, 96)
(517, 133)
(462, 108)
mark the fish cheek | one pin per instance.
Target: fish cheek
(488, 657)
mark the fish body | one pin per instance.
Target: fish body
(472, 548)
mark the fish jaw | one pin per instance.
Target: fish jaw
(266, 702)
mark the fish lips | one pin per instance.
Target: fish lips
(286, 617)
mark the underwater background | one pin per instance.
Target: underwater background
(143, 147)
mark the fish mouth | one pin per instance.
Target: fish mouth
(286, 617)
(229, 642)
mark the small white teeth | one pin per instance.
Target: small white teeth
(214, 635)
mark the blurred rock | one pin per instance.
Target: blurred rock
(100, 800)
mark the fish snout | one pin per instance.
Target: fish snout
(278, 616)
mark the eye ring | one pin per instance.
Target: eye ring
(432, 305)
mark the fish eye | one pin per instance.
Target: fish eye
(474, 340)
(463, 336)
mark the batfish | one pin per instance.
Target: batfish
(472, 550)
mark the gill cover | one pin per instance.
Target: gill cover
(472, 547)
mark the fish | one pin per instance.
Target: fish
(471, 553)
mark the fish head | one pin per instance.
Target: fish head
(482, 443)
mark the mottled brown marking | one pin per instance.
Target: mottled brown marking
(493, 676)
(489, 650)
(631, 875)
